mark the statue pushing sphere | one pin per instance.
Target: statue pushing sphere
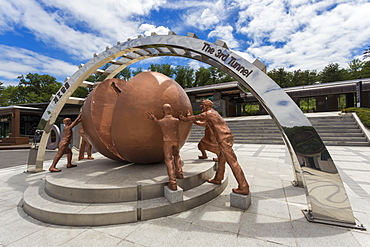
(115, 120)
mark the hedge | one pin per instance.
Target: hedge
(362, 113)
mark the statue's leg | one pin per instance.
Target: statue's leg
(231, 159)
(168, 158)
(219, 176)
(69, 158)
(177, 161)
(202, 150)
(81, 154)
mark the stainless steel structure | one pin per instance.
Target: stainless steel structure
(314, 168)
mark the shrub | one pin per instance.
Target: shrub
(362, 113)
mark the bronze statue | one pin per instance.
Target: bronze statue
(208, 142)
(115, 120)
(171, 149)
(225, 140)
(84, 143)
(63, 147)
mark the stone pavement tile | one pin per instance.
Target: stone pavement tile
(192, 214)
(268, 228)
(125, 243)
(226, 219)
(20, 176)
(268, 192)
(221, 201)
(19, 229)
(295, 194)
(197, 235)
(348, 157)
(360, 205)
(364, 219)
(362, 238)
(6, 205)
(11, 215)
(12, 195)
(159, 232)
(92, 238)
(295, 211)
(50, 236)
(314, 234)
(119, 231)
(269, 207)
(266, 182)
(243, 241)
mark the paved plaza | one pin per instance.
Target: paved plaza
(274, 218)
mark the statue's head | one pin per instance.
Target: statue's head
(67, 121)
(206, 104)
(167, 109)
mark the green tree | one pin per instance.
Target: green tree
(124, 74)
(355, 67)
(332, 72)
(366, 53)
(184, 76)
(81, 92)
(138, 70)
(365, 70)
(301, 78)
(282, 77)
(165, 69)
(35, 88)
(3, 98)
(202, 77)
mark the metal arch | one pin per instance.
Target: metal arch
(314, 168)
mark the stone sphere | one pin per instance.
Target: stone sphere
(115, 116)
(137, 138)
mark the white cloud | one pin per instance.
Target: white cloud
(304, 34)
(209, 14)
(196, 64)
(147, 29)
(18, 61)
(225, 33)
(80, 28)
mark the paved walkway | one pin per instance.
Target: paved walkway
(274, 218)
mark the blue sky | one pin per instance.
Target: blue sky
(55, 36)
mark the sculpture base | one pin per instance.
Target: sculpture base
(240, 201)
(105, 192)
(310, 218)
(173, 196)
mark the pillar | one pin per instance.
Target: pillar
(15, 123)
(332, 104)
(350, 100)
(321, 103)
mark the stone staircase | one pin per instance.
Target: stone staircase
(334, 130)
(107, 192)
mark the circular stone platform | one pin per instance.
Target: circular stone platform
(104, 192)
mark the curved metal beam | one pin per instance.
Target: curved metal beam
(314, 168)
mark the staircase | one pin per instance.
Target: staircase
(334, 130)
(106, 192)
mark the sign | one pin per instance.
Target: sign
(358, 93)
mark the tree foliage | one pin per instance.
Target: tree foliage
(332, 72)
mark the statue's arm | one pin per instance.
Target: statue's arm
(77, 121)
(151, 116)
(201, 123)
(201, 117)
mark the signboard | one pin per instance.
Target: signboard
(358, 93)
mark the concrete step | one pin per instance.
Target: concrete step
(38, 204)
(105, 192)
(334, 130)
